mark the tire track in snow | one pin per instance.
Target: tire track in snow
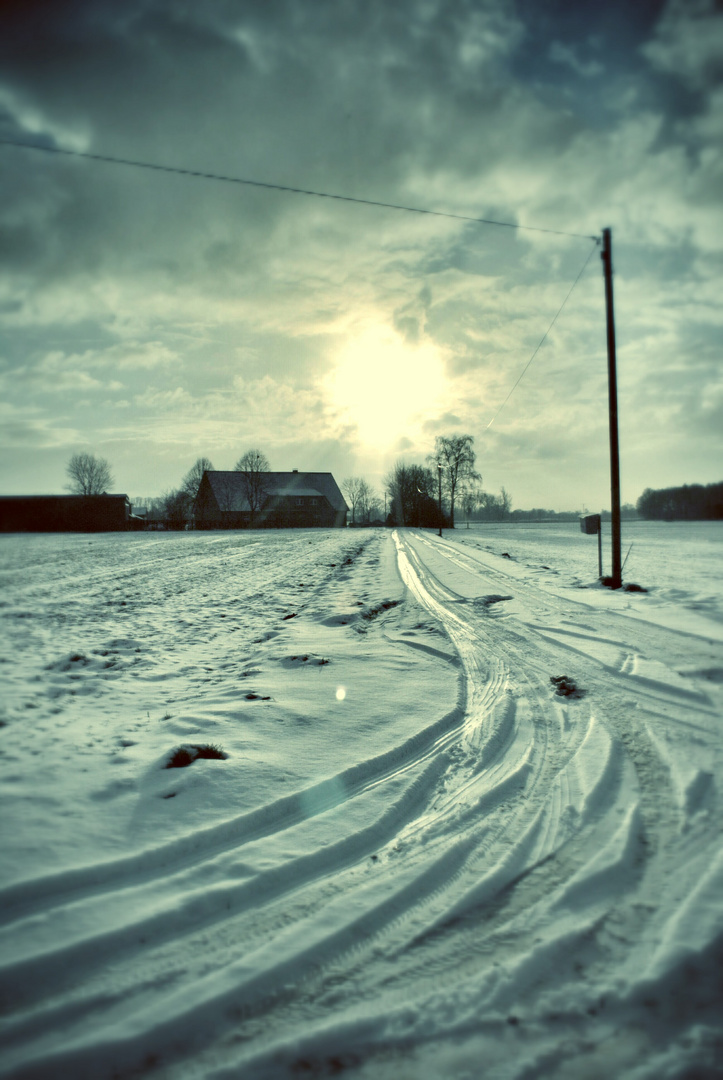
(620, 874)
(524, 853)
(430, 747)
(588, 785)
(591, 772)
(206, 844)
(54, 895)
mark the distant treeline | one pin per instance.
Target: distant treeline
(537, 514)
(691, 502)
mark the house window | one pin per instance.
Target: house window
(299, 502)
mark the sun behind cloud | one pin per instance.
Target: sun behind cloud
(385, 385)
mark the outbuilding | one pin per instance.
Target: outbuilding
(64, 513)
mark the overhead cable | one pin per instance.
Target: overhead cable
(198, 175)
(544, 336)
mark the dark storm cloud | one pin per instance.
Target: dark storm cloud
(336, 92)
(348, 97)
(296, 92)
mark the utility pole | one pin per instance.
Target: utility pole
(606, 255)
(439, 474)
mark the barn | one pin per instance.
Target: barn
(285, 500)
(64, 513)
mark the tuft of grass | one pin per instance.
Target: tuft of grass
(180, 758)
(566, 687)
(186, 755)
(373, 612)
(211, 751)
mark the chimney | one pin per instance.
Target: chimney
(294, 470)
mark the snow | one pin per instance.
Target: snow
(416, 860)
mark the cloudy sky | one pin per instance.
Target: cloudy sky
(151, 318)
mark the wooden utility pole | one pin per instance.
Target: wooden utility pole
(616, 578)
(439, 474)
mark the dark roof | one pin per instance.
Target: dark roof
(228, 487)
(28, 498)
(63, 513)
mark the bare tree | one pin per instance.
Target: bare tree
(89, 475)
(367, 501)
(394, 484)
(254, 465)
(471, 497)
(495, 507)
(457, 457)
(411, 491)
(192, 480)
(176, 509)
(376, 507)
(359, 495)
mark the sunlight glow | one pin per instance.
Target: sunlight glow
(386, 384)
(340, 693)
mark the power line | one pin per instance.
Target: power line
(198, 175)
(544, 336)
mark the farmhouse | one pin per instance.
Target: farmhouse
(285, 500)
(64, 513)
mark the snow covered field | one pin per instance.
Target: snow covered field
(681, 562)
(417, 858)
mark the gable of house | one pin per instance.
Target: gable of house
(290, 499)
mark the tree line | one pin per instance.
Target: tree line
(419, 495)
(91, 475)
(423, 495)
(415, 494)
(430, 494)
(363, 501)
(691, 502)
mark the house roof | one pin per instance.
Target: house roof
(228, 488)
(297, 491)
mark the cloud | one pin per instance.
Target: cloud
(21, 430)
(163, 401)
(688, 43)
(218, 313)
(564, 54)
